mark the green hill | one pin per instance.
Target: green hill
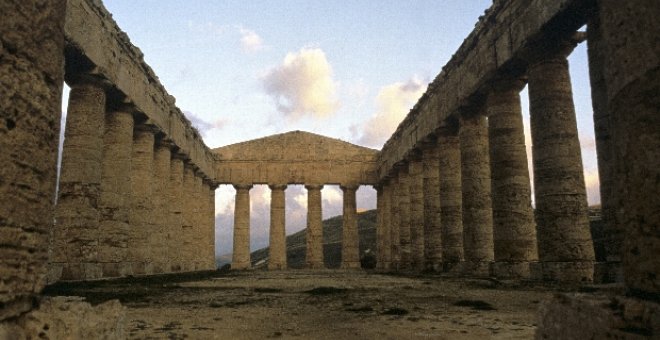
(332, 235)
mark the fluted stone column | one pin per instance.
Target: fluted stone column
(565, 246)
(613, 233)
(158, 238)
(77, 213)
(476, 186)
(141, 217)
(350, 243)
(176, 215)
(188, 224)
(314, 237)
(31, 90)
(379, 226)
(395, 224)
(630, 51)
(451, 201)
(416, 187)
(514, 230)
(384, 225)
(432, 213)
(405, 247)
(277, 249)
(115, 195)
(199, 235)
(241, 255)
(209, 259)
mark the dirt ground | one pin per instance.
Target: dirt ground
(318, 305)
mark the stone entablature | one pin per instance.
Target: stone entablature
(500, 42)
(97, 47)
(295, 157)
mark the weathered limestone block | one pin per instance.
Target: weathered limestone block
(395, 223)
(631, 55)
(175, 243)
(31, 79)
(115, 195)
(77, 214)
(432, 213)
(564, 240)
(158, 237)
(405, 248)
(66, 317)
(314, 236)
(277, 248)
(451, 201)
(416, 185)
(141, 218)
(583, 316)
(241, 254)
(514, 230)
(350, 248)
(476, 188)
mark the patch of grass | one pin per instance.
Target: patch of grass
(326, 291)
(475, 304)
(395, 311)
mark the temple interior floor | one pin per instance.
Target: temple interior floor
(319, 305)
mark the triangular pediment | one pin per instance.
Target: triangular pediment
(295, 146)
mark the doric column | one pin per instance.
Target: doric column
(451, 200)
(631, 67)
(565, 246)
(383, 226)
(31, 90)
(350, 243)
(416, 187)
(115, 195)
(188, 224)
(209, 259)
(514, 230)
(158, 239)
(176, 243)
(277, 249)
(314, 256)
(612, 232)
(475, 182)
(200, 224)
(77, 213)
(405, 249)
(395, 223)
(432, 213)
(141, 217)
(241, 255)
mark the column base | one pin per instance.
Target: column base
(581, 316)
(315, 266)
(476, 268)
(511, 270)
(608, 272)
(351, 265)
(116, 269)
(81, 271)
(568, 271)
(452, 268)
(240, 266)
(277, 266)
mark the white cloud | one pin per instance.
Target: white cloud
(250, 41)
(303, 85)
(204, 126)
(393, 103)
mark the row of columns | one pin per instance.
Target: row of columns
(314, 237)
(477, 213)
(129, 203)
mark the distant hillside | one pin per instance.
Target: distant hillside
(332, 235)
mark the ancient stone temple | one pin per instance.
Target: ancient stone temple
(136, 189)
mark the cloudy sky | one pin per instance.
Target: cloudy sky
(347, 69)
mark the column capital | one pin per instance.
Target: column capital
(146, 128)
(349, 187)
(313, 186)
(547, 50)
(505, 84)
(242, 186)
(278, 186)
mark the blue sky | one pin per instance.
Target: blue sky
(346, 69)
